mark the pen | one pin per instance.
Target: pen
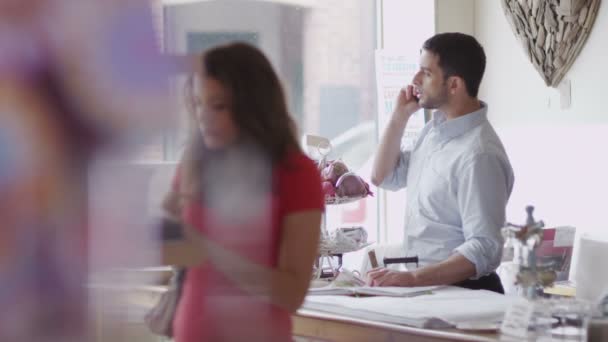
(405, 260)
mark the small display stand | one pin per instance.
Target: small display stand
(330, 248)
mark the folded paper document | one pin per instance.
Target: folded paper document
(372, 291)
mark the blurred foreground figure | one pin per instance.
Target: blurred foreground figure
(76, 77)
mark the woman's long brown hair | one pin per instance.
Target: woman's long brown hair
(258, 103)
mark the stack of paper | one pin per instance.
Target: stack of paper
(371, 291)
(445, 307)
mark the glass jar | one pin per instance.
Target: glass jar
(561, 319)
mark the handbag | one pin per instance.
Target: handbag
(160, 318)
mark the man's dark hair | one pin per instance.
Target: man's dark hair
(459, 55)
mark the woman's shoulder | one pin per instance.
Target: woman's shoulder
(299, 183)
(297, 162)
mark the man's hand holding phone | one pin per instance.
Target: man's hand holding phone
(407, 102)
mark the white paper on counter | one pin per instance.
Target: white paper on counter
(446, 307)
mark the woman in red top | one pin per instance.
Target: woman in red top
(251, 204)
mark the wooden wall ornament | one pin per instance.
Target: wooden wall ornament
(552, 32)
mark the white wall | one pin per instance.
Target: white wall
(559, 156)
(455, 16)
(517, 93)
(407, 24)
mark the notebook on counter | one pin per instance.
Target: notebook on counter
(349, 283)
(371, 291)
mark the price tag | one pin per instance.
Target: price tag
(517, 318)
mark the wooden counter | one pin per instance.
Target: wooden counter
(330, 327)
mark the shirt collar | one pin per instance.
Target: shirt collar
(448, 129)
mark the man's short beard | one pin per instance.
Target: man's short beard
(436, 102)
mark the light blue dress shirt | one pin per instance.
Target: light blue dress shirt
(458, 180)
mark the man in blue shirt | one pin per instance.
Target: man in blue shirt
(458, 176)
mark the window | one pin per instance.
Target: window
(324, 54)
(404, 26)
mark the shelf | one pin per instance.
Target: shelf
(342, 200)
(329, 249)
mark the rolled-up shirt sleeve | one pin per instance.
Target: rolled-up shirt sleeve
(483, 192)
(397, 179)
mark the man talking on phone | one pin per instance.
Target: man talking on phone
(458, 176)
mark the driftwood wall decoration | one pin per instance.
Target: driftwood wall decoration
(552, 32)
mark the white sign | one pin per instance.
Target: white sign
(394, 71)
(564, 237)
